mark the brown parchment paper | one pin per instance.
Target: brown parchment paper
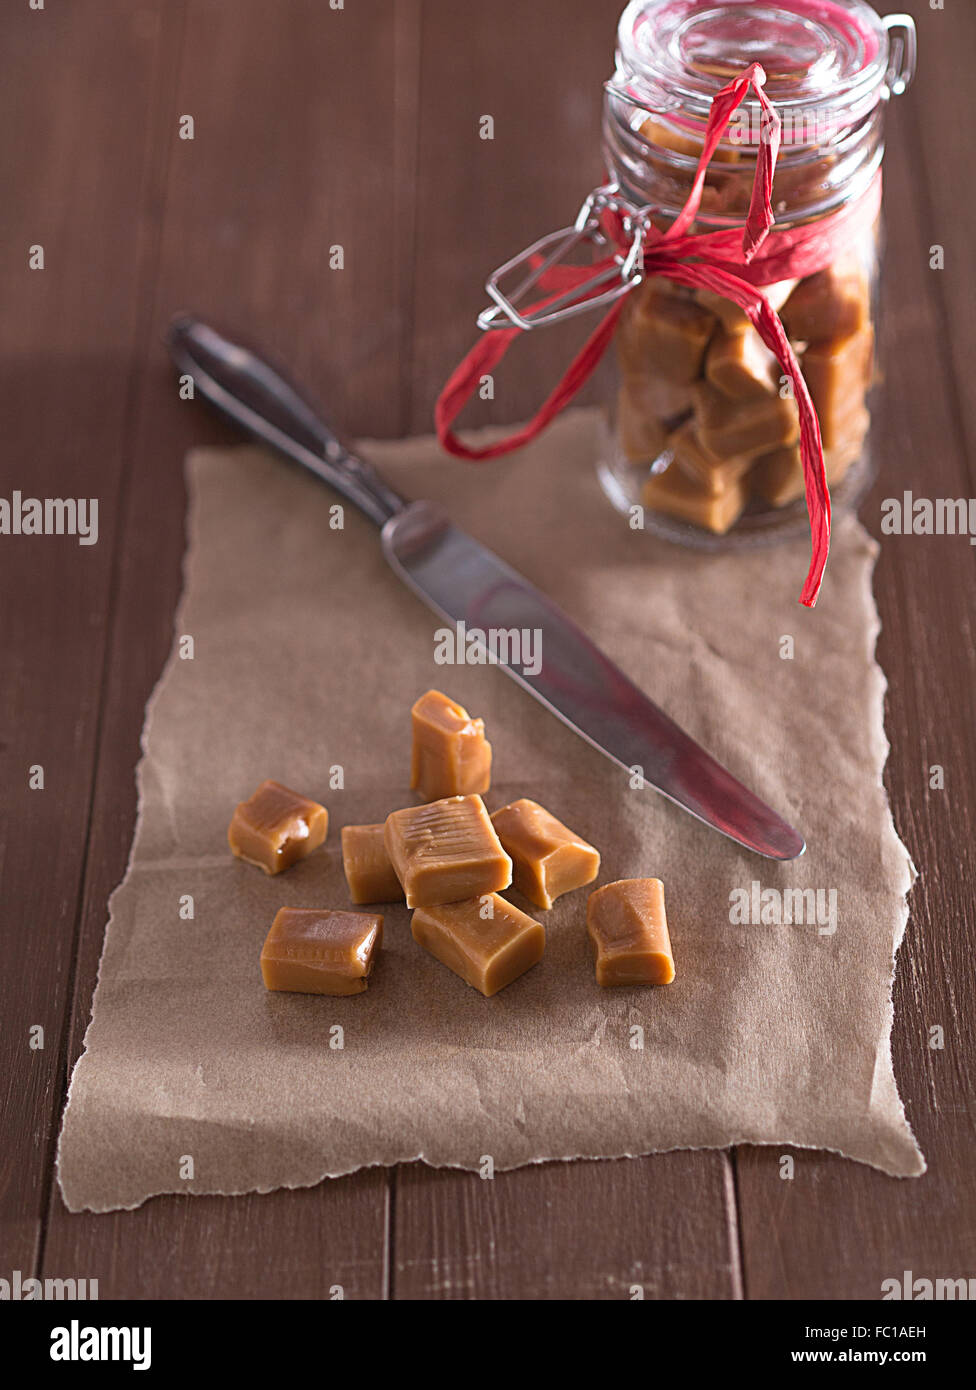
(307, 654)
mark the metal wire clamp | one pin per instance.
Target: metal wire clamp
(626, 271)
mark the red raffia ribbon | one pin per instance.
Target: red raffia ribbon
(726, 262)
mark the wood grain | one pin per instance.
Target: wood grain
(539, 77)
(660, 1227)
(78, 182)
(940, 148)
(323, 1242)
(268, 154)
(836, 1230)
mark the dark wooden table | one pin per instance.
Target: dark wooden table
(316, 127)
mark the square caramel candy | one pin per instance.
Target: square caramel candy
(734, 319)
(848, 447)
(320, 952)
(366, 864)
(668, 137)
(664, 333)
(831, 304)
(741, 365)
(486, 940)
(650, 395)
(642, 435)
(838, 374)
(706, 470)
(778, 477)
(446, 851)
(627, 925)
(675, 494)
(275, 827)
(547, 858)
(749, 426)
(451, 756)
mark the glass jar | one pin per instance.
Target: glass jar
(703, 440)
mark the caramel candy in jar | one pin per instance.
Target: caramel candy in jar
(703, 426)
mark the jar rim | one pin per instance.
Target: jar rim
(828, 54)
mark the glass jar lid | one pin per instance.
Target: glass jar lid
(828, 54)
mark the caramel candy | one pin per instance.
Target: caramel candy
(446, 851)
(741, 365)
(275, 827)
(320, 952)
(667, 401)
(367, 866)
(451, 756)
(838, 374)
(831, 304)
(627, 924)
(750, 427)
(548, 860)
(486, 941)
(778, 477)
(734, 319)
(667, 137)
(711, 473)
(841, 458)
(664, 333)
(642, 436)
(675, 494)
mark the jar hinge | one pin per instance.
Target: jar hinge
(903, 43)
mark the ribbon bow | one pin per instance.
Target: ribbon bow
(727, 263)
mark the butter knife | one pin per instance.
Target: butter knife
(464, 582)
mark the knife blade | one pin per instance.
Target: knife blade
(464, 582)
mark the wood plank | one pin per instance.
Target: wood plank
(555, 1231)
(838, 1229)
(538, 71)
(942, 99)
(75, 106)
(615, 1229)
(322, 1242)
(276, 174)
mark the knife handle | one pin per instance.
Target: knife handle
(263, 401)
